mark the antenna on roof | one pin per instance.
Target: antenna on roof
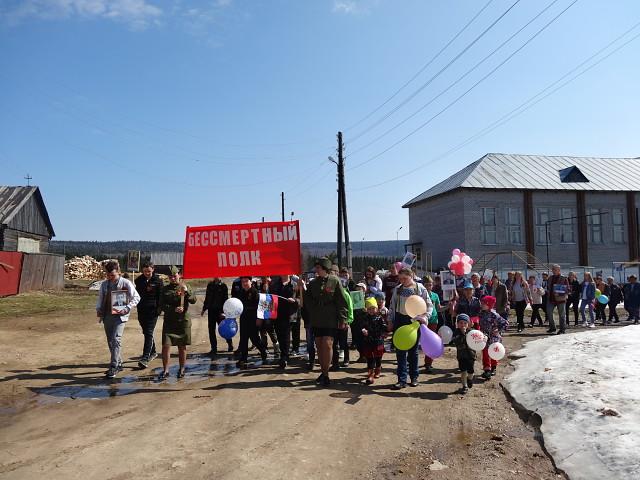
(27, 178)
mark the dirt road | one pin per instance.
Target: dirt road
(61, 419)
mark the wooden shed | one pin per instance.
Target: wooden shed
(24, 221)
(25, 232)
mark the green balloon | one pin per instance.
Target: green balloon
(598, 293)
(406, 336)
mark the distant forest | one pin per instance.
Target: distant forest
(378, 254)
(382, 248)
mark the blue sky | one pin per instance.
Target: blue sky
(139, 117)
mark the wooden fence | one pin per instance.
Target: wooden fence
(42, 271)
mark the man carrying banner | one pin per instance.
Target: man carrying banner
(249, 296)
(217, 294)
(327, 308)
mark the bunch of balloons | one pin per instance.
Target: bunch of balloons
(460, 263)
(232, 309)
(603, 299)
(406, 337)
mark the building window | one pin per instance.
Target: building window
(594, 220)
(488, 226)
(617, 216)
(567, 225)
(543, 215)
(514, 226)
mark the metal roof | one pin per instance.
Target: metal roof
(12, 199)
(539, 172)
(167, 258)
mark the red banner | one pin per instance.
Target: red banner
(256, 249)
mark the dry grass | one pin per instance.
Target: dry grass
(72, 298)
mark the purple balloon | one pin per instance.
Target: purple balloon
(430, 342)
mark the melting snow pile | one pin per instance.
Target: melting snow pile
(586, 389)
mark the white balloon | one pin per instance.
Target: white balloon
(496, 351)
(465, 259)
(446, 334)
(232, 308)
(476, 340)
(467, 268)
(415, 305)
(455, 258)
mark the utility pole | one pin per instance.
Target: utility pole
(339, 244)
(282, 197)
(342, 190)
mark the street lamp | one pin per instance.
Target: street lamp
(398, 241)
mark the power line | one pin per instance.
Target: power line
(424, 67)
(433, 99)
(436, 75)
(460, 97)
(523, 107)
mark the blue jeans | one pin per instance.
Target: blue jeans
(412, 357)
(583, 305)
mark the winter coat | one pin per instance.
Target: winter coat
(492, 325)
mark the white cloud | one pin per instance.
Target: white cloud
(137, 14)
(352, 7)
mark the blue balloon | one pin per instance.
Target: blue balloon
(603, 299)
(228, 328)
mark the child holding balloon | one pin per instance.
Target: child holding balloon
(465, 354)
(492, 325)
(373, 329)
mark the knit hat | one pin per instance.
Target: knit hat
(361, 284)
(489, 301)
(463, 317)
(370, 302)
(325, 263)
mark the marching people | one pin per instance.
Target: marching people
(389, 282)
(469, 304)
(149, 287)
(433, 319)
(521, 297)
(372, 281)
(545, 296)
(615, 297)
(374, 330)
(573, 300)
(492, 325)
(465, 355)
(631, 292)
(266, 325)
(286, 307)
(536, 300)
(215, 296)
(114, 318)
(600, 307)
(398, 317)
(587, 296)
(500, 291)
(327, 307)
(176, 327)
(249, 323)
(557, 290)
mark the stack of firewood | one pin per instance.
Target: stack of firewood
(86, 268)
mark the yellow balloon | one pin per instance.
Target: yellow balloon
(415, 305)
(406, 336)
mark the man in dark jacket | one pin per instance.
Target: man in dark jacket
(499, 290)
(149, 287)
(631, 293)
(558, 292)
(327, 307)
(249, 296)
(615, 297)
(287, 306)
(217, 294)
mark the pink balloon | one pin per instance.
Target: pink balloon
(455, 251)
(430, 342)
(471, 261)
(398, 266)
(462, 254)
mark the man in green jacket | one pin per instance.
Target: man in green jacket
(327, 307)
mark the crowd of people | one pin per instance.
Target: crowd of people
(336, 328)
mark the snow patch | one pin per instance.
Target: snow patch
(586, 389)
